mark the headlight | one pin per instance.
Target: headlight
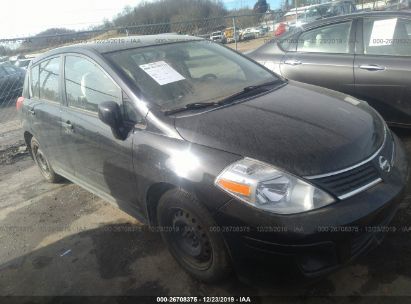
(268, 188)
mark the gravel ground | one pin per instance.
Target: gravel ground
(62, 240)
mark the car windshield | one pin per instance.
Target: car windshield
(176, 74)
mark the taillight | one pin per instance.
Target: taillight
(281, 29)
(19, 103)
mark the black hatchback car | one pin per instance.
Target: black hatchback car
(230, 161)
(366, 55)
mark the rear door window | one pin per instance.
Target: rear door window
(388, 36)
(49, 79)
(87, 85)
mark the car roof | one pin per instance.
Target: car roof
(356, 15)
(117, 44)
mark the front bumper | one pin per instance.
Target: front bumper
(318, 241)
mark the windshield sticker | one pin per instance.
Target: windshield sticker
(161, 72)
(383, 32)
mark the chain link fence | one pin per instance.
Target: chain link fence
(242, 33)
(239, 32)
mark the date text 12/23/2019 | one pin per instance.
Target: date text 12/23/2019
(204, 299)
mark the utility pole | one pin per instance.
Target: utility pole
(296, 15)
(235, 33)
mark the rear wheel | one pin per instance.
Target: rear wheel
(185, 229)
(43, 163)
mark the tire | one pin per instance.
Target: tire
(42, 162)
(185, 228)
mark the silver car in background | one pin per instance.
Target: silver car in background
(366, 55)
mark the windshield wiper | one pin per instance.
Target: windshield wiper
(253, 87)
(247, 90)
(191, 106)
(236, 96)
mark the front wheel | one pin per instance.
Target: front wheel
(43, 163)
(185, 227)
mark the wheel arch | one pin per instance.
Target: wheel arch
(153, 195)
(27, 139)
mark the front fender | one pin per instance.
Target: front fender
(179, 163)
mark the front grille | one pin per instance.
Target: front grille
(349, 181)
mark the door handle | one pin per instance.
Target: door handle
(293, 62)
(372, 67)
(31, 111)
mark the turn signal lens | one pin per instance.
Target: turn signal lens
(230, 186)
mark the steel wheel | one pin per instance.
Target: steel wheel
(190, 240)
(42, 162)
(186, 228)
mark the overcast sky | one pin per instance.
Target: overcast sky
(20, 18)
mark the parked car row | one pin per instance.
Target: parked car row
(229, 35)
(297, 17)
(235, 165)
(314, 12)
(398, 5)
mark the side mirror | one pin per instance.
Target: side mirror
(109, 113)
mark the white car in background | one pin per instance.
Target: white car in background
(248, 34)
(218, 37)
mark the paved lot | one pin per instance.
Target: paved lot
(62, 240)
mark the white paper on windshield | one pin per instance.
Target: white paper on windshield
(383, 32)
(161, 72)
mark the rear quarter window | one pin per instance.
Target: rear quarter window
(34, 82)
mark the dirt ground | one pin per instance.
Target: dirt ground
(62, 240)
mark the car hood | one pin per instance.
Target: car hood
(303, 129)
